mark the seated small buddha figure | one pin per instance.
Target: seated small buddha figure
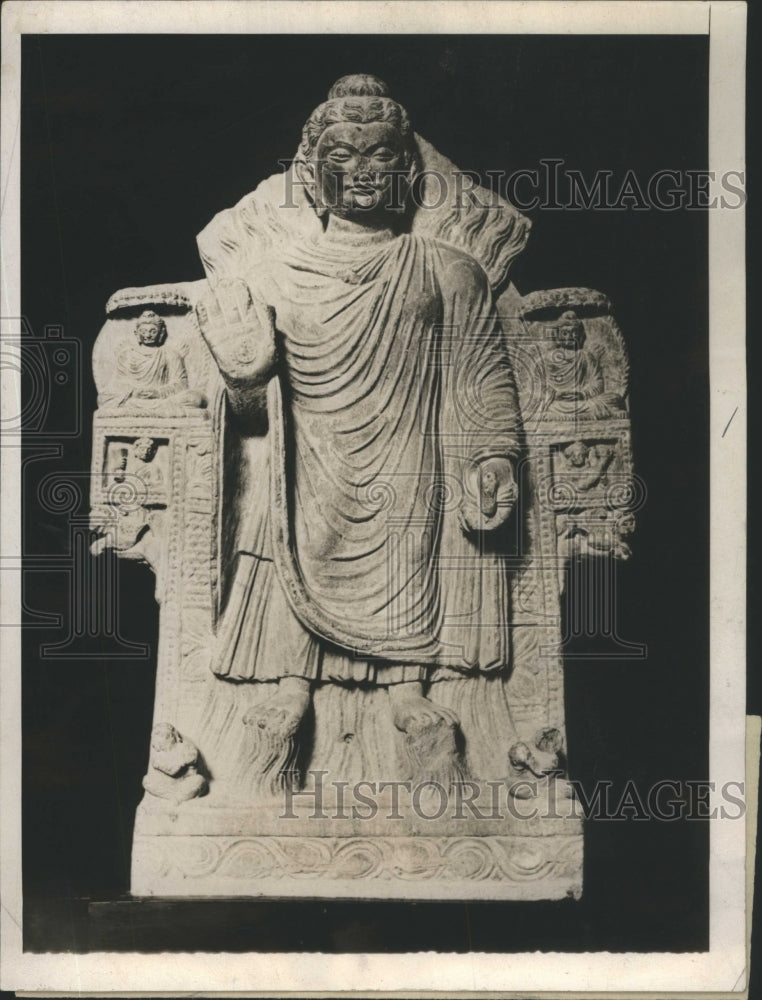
(575, 374)
(150, 375)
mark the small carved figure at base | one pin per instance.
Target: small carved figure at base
(545, 763)
(173, 766)
(430, 735)
(271, 728)
(597, 532)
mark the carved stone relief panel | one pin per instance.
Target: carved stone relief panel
(359, 545)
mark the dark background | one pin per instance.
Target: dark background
(129, 145)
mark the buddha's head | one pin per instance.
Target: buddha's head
(358, 156)
(577, 453)
(569, 332)
(145, 448)
(151, 330)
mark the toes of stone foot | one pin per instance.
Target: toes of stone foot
(448, 715)
(263, 718)
(253, 718)
(436, 718)
(427, 722)
(267, 710)
(415, 722)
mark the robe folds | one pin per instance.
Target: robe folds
(393, 382)
(139, 366)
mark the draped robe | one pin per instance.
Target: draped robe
(394, 380)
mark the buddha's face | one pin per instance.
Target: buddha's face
(144, 449)
(359, 170)
(577, 453)
(150, 333)
(570, 336)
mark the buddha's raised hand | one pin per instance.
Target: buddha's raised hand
(239, 331)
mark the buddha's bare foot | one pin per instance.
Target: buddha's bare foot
(271, 751)
(430, 736)
(279, 717)
(414, 713)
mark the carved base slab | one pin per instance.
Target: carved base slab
(371, 867)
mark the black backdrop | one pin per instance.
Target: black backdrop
(129, 145)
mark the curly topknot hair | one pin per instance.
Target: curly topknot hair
(358, 85)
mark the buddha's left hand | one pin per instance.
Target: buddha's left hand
(490, 495)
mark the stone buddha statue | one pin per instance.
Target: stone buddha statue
(352, 584)
(373, 359)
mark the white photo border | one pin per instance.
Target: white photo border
(723, 967)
